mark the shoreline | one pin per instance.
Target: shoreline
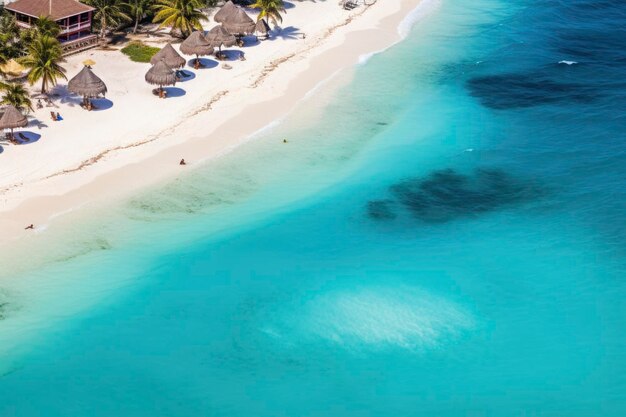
(302, 72)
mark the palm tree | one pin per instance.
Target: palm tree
(270, 9)
(108, 13)
(43, 59)
(184, 15)
(11, 44)
(138, 9)
(43, 26)
(16, 95)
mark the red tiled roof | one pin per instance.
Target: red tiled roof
(55, 9)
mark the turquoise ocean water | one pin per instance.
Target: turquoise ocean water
(443, 235)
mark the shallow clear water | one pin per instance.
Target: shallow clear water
(442, 236)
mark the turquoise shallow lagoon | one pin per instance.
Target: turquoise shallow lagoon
(443, 235)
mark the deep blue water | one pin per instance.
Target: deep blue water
(445, 238)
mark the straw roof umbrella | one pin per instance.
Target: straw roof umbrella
(224, 11)
(196, 44)
(87, 84)
(218, 37)
(12, 118)
(161, 74)
(170, 56)
(262, 28)
(239, 23)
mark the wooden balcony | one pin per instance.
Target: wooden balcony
(23, 25)
(75, 27)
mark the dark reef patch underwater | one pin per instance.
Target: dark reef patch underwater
(446, 195)
(544, 86)
(567, 53)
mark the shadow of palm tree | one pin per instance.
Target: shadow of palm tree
(39, 124)
(118, 38)
(287, 33)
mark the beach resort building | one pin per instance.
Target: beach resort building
(73, 17)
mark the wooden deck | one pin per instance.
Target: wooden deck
(79, 45)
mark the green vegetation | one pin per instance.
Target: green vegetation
(181, 15)
(138, 10)
(16, 95)
(108, 13)
(43, 60)
(139, 52)
(44, 26)
(11, 42)
(270, 9)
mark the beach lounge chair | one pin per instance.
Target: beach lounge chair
(22, 137)
(53, 116)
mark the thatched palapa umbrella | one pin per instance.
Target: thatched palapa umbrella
(196, 44)
(170, 56)
(12, 118)
(161, 74)
(262, 28)
(218, 37)
(226, 9)
(88, 85)
(239, 23)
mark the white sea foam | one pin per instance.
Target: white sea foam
(405, 26)
(568, 62)
(422, 10)
(363, 59)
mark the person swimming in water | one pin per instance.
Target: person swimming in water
(182, 162)
(30, 227)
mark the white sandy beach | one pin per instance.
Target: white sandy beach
(94, 156)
